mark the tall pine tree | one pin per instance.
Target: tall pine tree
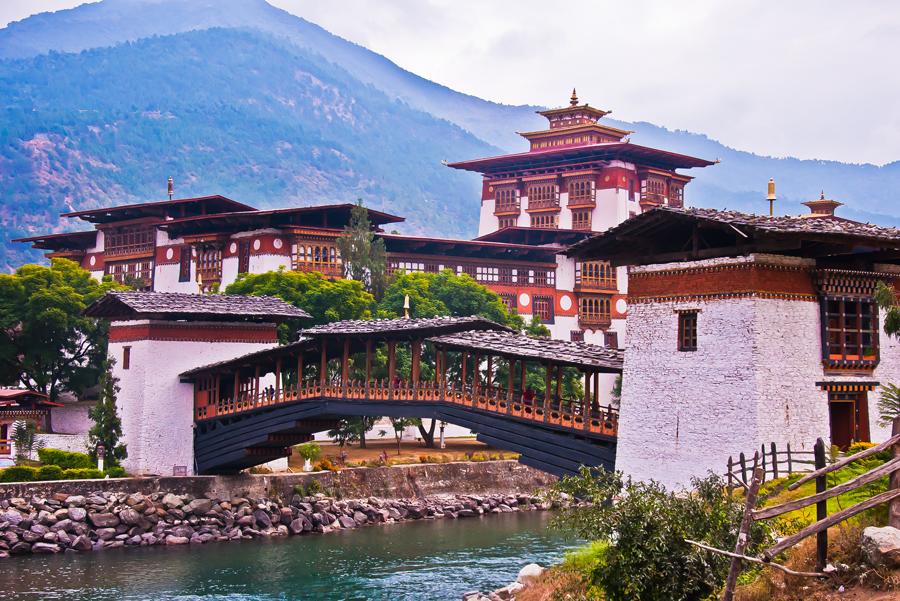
(362, 253)
(107, 428)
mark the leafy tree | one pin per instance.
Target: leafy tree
(644, 525)
(46, 344)
(886, 299)
(353, 429)
(400, 424)
(24, 437)
(107, 428)
(362, 253)
(325, 300)
(888, 404)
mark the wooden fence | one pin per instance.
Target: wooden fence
(820, 499)
(775, 463)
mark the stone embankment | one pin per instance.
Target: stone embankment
(103, 520)
(527, 576)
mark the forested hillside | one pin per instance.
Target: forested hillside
(223, 111)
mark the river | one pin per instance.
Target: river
(427, 560)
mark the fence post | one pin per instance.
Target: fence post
(744, 531)
(774, 462)
(730, 476)
(763, 446)
(790, 462)
(743, 468)
(894, 507)
(821, 507)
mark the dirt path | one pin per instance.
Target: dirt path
(410, 451)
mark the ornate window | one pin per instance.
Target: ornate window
(676, 195)
(244, 255)
(509, 299)
(505, 222)
(593, 310)
(506, 199)
(612, 340)
(581, 219)
(209, 264)
(309, 255)
(184, 263)
(129, 240)
(687, 330)
(542, 196)
(545, 220)
(487, 274)
(596, 275)
(137, 274)
(126, 357)
(543, 277)
(850, 331)
(542, 306)
(581, 191)
(576, 335)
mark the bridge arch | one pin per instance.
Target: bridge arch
(466, 371)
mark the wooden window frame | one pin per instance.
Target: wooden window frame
(243, 255)
(581, 219)
(849, 322)
(543, 195)
(126, 357)
(184, 263)
(506, 199)
(545, 301)
(688, 330)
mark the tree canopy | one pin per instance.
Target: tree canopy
(46, 344)
(362, 254)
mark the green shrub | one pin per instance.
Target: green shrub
(49, 472)
(858, 447)
(298, 490)
(18, 473)
(310, 451)
(314, 487)
(82, 474)
(117, 471)
(646, 557)
(67, 460)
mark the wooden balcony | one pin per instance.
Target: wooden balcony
(569, 414)
(594, 320)
(581, 202)
(589, 284)
(549, 204)
(507, 208)
(335, 270)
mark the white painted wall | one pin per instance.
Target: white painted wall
(487, 221)
(155, 407)
(71, 418)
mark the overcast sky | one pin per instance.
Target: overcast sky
(808, 78)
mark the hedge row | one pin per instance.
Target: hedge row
(67, 460)
(20, 473)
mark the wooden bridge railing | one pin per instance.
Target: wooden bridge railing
(774, 462)
(572, 414)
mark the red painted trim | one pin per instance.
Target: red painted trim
(262, 333)
(723, 280)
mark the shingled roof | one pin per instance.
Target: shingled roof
(255, 358)
(181, 306)
(586, 356)
(421, 326)
(753, 233)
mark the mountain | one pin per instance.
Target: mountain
(101, 103)
(222, 110)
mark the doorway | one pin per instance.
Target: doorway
(849, 416)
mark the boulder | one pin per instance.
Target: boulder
(172, 501)
(77, 514)
(529, 572)
(11, 517)
(103, 520)
(198, 507)
(45, 548)
(177, 540)
(75, 501)
(881, 546)
(130, 516)
(347, 522)
(262, 518)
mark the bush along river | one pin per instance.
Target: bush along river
(452, 544)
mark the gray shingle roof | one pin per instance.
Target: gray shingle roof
(421, 326)
(178, 305)
(508, 344)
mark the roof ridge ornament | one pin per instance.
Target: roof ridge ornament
(573, 101)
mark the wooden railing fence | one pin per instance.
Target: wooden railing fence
(820, 499)
(776, 463)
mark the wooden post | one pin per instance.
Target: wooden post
(774, 462)
(345, 367)
(597, 390)
(894, 507)
(821, 507)
(744, 532)
(323, 365)
(587, 394)
(763, 447)
(392, 367)
(730, 476)
(277, 378)
(368, 365)
(523, 384)
(743, 461)
(489, 377)
(476, 376)
(465, 362)
(559, 383)
(416, 359)
(790, 460)
(237, 384)
(256, 383)
(547, 383)
(510, 380)
(300, 371)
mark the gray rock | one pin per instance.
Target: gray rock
(347, 522)
(11, 517)
(130, 516)
(20, 548)
(45, 548)
(172, 501)
(77, 514)
(177, 540)
(529, 572)
(198, 506)
(82, 543)
(262, 518)
(106, 533)
(881, 546)
(75, 501)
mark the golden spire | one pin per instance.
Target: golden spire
(771, 196)
(574, 99)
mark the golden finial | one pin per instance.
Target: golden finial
(574, 99)
(771, 196)
(822, 195)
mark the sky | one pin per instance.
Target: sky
(806, 78)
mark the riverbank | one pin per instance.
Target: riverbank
(54, 517)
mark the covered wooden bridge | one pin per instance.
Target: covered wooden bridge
(463, 370)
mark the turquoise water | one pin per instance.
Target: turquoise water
(418, 561)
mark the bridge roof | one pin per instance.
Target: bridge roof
(589, 357)
(403, 327)
(182, 306)
(254, 358)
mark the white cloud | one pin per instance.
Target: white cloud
(809, 78)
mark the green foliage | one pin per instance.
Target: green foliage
(536, 328)
(313, 487)
(107, 428)
(24, 437)
(82, 474)
(325, 300)
(400, 424)
(46, 345)
(18, 473)
(888, 403)
(117, 471)
(49, 472)
(353, 429)
(310, 450)
(444, 293)
(644, 527)
(363, 255)
(65, 459)
(886, 299)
